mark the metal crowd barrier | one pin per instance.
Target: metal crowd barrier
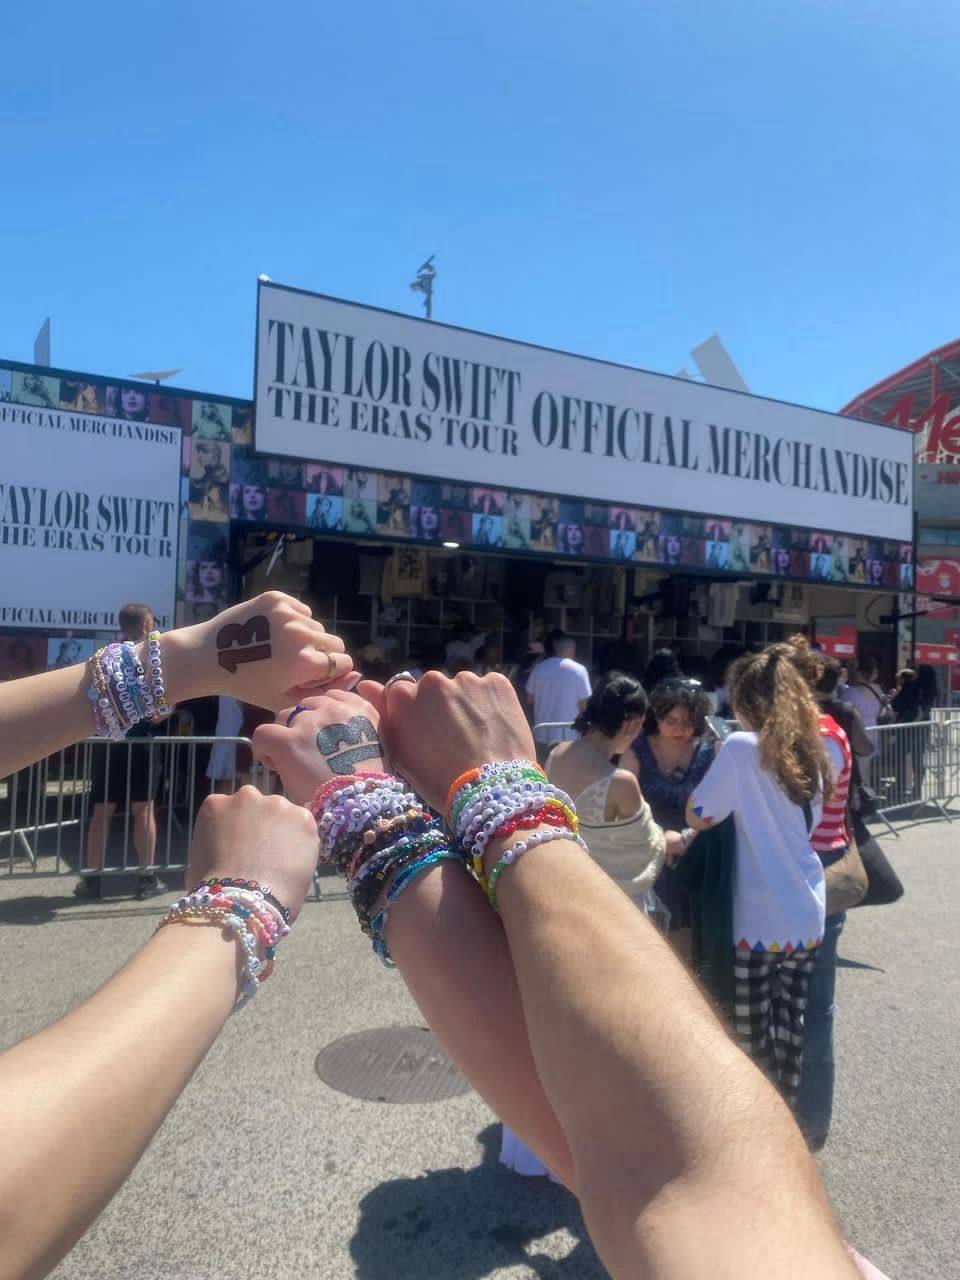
(912, 765)
(98, 807)
(915, 764)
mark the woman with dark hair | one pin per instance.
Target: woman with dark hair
(425, 523)
(668, 759)
(615, 819)
(571, 539)
(128, 403)
(624, 836)
(664, 665)
(206, 582)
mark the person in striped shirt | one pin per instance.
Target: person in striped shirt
(844, 735)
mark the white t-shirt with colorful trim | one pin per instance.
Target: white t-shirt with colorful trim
(779, 896)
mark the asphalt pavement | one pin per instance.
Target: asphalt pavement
(346, 1187)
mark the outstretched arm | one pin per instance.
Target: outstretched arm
(673, 1132)
(448, 945)
(69, 1140)
(265, 651)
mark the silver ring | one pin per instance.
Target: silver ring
(295, 712)
(405, 676)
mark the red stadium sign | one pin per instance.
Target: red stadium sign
(938, 577)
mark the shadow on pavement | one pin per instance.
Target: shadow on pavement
(34, 909)
(858, 964)
(465, 1224)
(42, 910)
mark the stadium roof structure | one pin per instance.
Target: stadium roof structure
(924, 397)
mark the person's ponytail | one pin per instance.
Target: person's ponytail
(773, 696)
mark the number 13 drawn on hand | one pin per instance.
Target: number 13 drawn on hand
(243, 642)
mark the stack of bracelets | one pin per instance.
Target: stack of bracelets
(122, 692)
(371, 829)
(250, 912)
(499, 800)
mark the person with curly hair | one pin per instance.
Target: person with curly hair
(668, 759)
(773, 777)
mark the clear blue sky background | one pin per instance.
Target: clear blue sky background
(617, 179)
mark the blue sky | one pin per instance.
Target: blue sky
(619, 180)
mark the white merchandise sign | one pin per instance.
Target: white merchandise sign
(342, 383)
(89, 512)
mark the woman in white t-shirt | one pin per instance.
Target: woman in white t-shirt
(771, 777)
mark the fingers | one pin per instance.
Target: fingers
(348, 683)
(331, 643)
(272, 599)
(312, 635)
(268, 745)
(374, 693)
(399, 698)
(322, 667)
(331, 699)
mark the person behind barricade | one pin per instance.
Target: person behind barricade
(557, 689)
(127, 775)
(772, 777)
(913, 702)
(668, 759)
(866, 693)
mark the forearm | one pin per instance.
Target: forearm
(671, 1129)
(46, 713)
(453, 954)
(70, 1137)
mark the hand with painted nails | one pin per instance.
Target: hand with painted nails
(268, 651)
(333, 734)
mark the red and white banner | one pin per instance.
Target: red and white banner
(938, 655)
(842, 645)
(938, 577)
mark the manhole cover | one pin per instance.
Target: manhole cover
(390, 1064)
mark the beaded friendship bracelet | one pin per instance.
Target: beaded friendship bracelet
(517, 850)
(373, 829)
(121, 691)
(495, 800)
(249, 911)
(499, 799)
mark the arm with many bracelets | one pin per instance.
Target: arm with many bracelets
(653, 1119)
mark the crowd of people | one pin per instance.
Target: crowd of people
(625, 1083)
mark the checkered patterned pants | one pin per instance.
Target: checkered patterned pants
(769, 999)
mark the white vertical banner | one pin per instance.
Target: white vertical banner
(89, 512)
